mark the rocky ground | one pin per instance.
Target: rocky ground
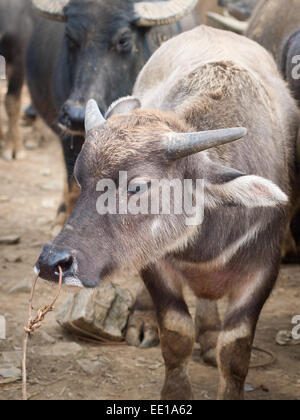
(61, 367)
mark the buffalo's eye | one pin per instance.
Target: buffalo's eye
(138, 187)
(123, 42)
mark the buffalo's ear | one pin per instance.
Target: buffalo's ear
(233, 188)
(123, 106)
(218, 174)
(51, 9)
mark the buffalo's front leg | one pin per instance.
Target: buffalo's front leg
(1, 128)
(13, 142)
(176, 327)
(208, 326)
(14, 146)
(236, 338)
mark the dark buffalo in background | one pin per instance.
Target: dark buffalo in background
(93, 48)
(240, 9)
(15, 31)
(276, 26)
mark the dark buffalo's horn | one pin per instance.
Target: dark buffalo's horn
(51, 9)
(229, 22)
(162, 12)
(185, 144)
(93, 117)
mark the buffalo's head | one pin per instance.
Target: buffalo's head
(105, 45)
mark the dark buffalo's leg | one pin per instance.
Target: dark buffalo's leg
(176, 327)
(30, 115)
(13, 139)
(14, 143)
(72, 146)
(1, 129)
(237, 335)
(208, 326)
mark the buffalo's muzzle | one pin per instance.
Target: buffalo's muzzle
(72, 117)
(49, 261)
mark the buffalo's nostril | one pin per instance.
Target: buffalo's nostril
(65, 265)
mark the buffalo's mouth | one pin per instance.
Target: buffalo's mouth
(69, 279)
(68, 130)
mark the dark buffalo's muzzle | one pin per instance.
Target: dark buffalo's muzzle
(72, 118)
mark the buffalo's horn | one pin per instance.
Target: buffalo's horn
(185, 144)
(162, 12)
(93, 117)
(229, 22)
(51, 9)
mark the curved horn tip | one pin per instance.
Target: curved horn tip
(53, 10)
(162, 13)
(241, 131)
(179, 145)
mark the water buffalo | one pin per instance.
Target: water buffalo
(171, 144)
(15, 30)
(93, 48)
(277, 28)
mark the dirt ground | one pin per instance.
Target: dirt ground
(62, 368)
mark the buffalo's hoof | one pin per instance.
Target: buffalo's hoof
(7, 154)
(10, 154)
(142, 329)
